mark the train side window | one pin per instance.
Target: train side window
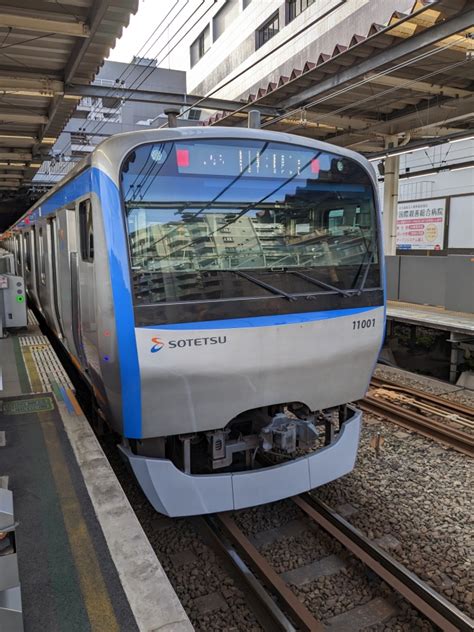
(86, 230)
(27, 249)
(18, 254)
(41, 262)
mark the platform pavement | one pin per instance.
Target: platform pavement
(429, 316)
(85, 562)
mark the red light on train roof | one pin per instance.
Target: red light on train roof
(182, 157)
(315, 166)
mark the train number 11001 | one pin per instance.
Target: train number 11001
(365, 323)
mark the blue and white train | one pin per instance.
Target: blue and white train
(221, 290)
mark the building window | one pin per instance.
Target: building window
(200, 46)
(268, 30)
(295, 7)
(246, 3)
(194, 114)
(226, 16)
(86, 231)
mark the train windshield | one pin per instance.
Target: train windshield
(213, 219)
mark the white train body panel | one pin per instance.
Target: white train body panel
(229, 370)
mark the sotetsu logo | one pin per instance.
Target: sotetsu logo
(158, 344)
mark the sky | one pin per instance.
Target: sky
(142, 26)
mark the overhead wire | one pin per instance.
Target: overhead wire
(98, 128)
(297, 110)
(383, 93)
(155, 60)
(130, 66)
(365, 81)
(284, 43)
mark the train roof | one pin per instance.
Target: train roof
(111, 151)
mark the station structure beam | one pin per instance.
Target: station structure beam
(390, 56)
(99, 10)
(45, 46)
(166, 98)
(41, 21)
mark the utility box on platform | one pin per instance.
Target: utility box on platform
(13, 311)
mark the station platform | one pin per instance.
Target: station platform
(434, 317)
(84, 561)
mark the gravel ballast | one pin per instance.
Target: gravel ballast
(419, 493)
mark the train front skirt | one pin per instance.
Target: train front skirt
(174, 493)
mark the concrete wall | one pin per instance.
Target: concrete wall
(236, 50)
(440, 281)
(422, 280)
(460, 285)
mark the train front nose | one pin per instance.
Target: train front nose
(198, 380)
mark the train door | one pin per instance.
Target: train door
(40, 260)
(86, 288)
(48, 274)
(33, 276)
(66, 254)
(27, 259)
(53, 242)
(19, 255)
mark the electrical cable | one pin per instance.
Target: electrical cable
(99, 127)
(289, 39)
(131, 66)
(349, 106)
(136, 87)
(363, 82)
(388, 71)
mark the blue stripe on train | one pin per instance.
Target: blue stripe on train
(94, 180)
(264, 321)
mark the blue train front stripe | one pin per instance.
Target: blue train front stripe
(265, 321)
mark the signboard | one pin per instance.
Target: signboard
(420, 225)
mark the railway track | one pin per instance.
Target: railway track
(282, 606)
(424, 413)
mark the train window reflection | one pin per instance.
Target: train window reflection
(199, 211)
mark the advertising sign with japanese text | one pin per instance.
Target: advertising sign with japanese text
(420, 225)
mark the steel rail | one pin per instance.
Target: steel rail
(298, 611)
(430, 603)
(457, 439)
(265, 608)
(448, 404)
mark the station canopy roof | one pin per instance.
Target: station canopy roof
(46, 45)
(412, 76)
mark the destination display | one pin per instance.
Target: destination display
(229, 160)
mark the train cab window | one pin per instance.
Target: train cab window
(246, 220)
(86, 230)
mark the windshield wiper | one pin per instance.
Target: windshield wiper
(326, 286)
(363, 281)
(267, 286)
